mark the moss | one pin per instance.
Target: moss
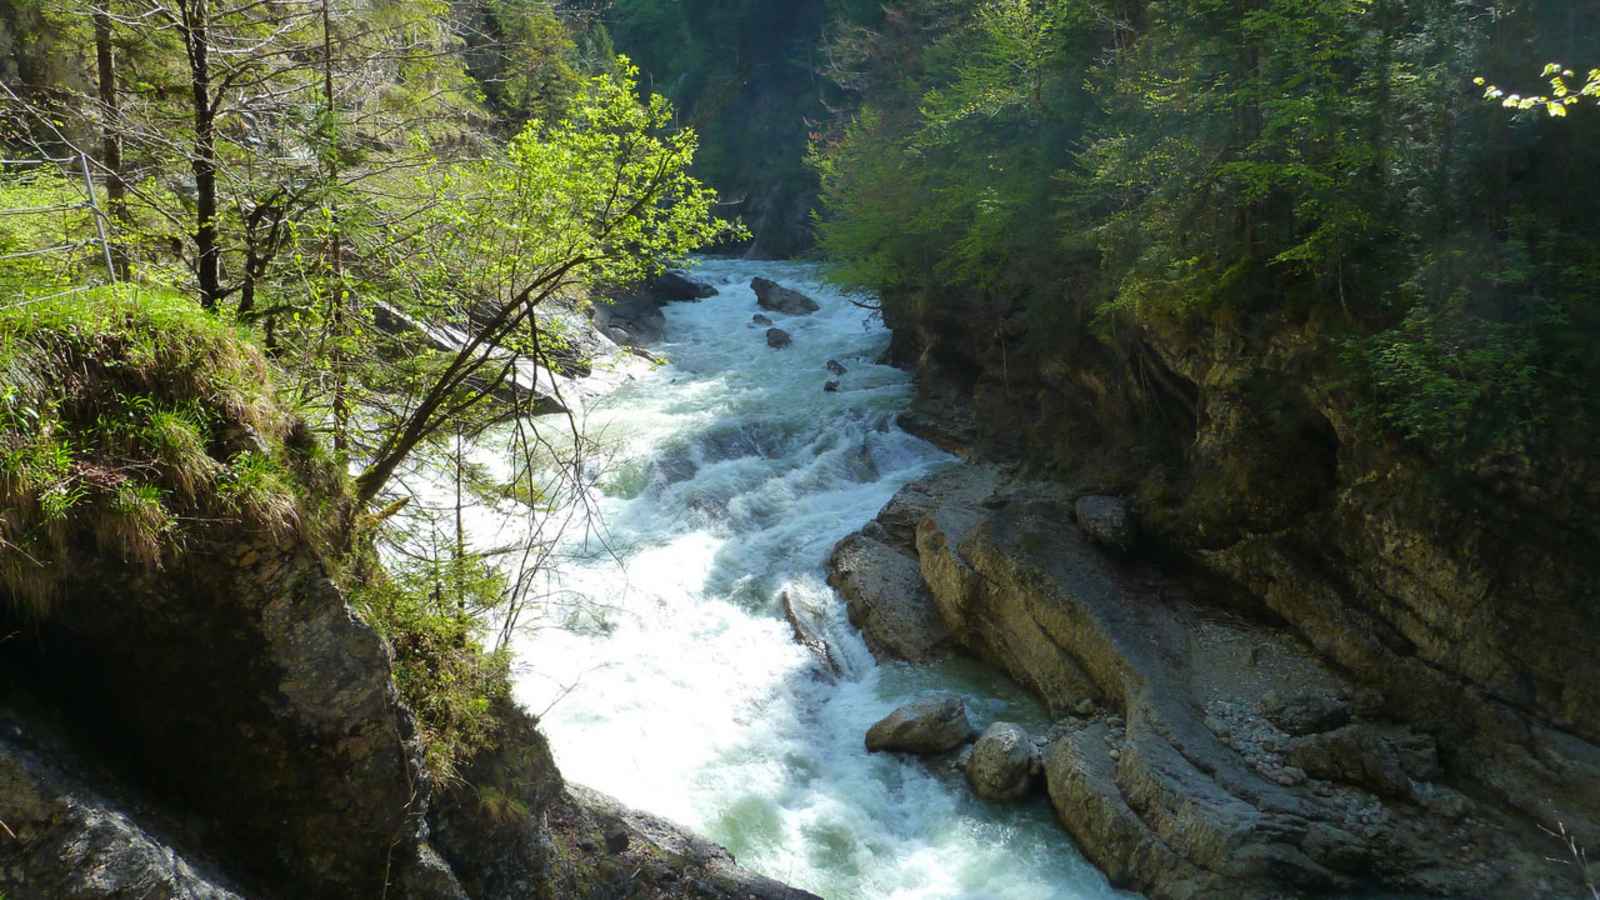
(133, 422)
(119, 414)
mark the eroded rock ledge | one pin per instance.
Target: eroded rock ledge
(226, 727)
(1206, 747)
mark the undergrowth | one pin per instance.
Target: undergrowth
(442, 671)
(129, 416)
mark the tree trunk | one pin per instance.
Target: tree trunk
(208, 254)
(336, 298)
(110, 137)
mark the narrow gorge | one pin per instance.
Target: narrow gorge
(804, 450)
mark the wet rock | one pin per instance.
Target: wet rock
(808, 635)
(836, 367)
(887, 600)
(862, 465)
(759, 319)
(905, 509)
(932, 725)
(1003, 764)
(598, 849)
(1108, 520)
(777, 338)
(674, 286)
(772, 296)
(1188, 791)
(576, 343)
(630, 320)
(831, 387)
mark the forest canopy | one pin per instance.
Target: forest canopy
(1112, 166)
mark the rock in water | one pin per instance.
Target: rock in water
(631, 320)
(777, 338)
(932, 725)
(1003, 764)
(831, 387)
(1109, 520)
(673, 286)
(887, 599)
(776, 297)
(805, 634)
(836, 367)
(759, 319)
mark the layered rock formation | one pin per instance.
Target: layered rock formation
(1209, 745)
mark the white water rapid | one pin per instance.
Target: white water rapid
(734, 475)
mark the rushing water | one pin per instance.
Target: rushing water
(684, 694)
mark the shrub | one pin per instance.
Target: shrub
(442, 671)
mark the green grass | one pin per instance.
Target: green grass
(121, 413)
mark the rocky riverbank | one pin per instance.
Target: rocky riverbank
(1204, 747)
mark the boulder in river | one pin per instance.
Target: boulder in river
(887, 599)
(934, 724)
(836, 367)
(808, 635)
(832, 386)
(759, 319)
(673, 286)
(777, 338)
(776, 297)
(1003, 763)
(631, 320)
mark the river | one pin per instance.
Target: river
(678, 687)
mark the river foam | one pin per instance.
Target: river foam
(680, 690)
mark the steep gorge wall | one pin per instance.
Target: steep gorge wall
(1466, 599)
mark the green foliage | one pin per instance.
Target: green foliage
(347, 167)
(255, 487)
(1112, 170)
(1564, 93)
(427, 609)
(528, 66)
(743, 73)
(112, 402)
(1452, 383)
(61, 221)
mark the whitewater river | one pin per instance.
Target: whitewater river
(681, 691)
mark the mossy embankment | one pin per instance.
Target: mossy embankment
(208, 681)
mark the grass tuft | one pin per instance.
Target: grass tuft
(121, 412)
(257, 488)
(134, 524)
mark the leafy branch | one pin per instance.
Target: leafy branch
(1563, 91)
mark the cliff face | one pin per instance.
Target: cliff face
(237, 691)
(1460, 608)
(188, 706)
